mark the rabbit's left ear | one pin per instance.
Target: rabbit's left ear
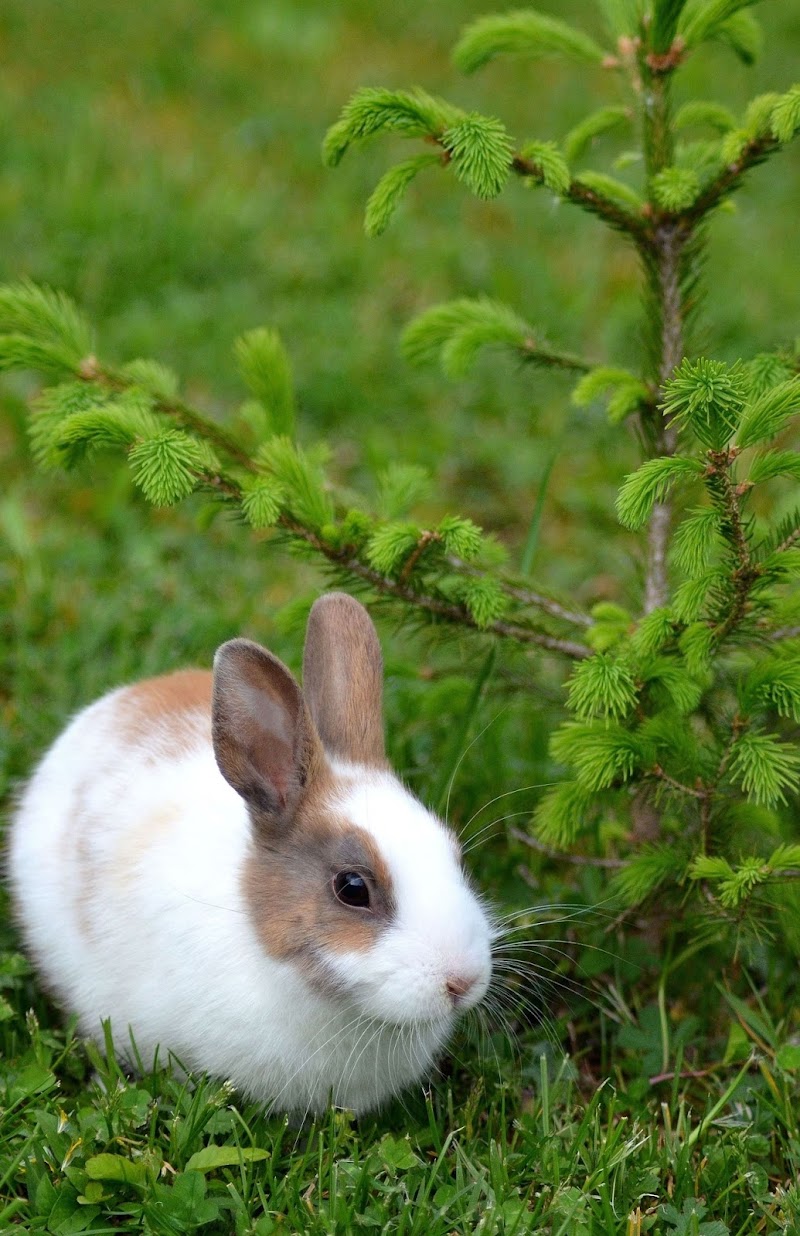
(343, 680)
(265, 743)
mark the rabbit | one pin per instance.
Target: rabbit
(226, 867)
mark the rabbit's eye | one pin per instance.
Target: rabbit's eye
(351, 889)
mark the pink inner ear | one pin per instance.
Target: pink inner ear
(263, 739)
(272, 760)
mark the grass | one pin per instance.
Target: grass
(162, 165)
(100, 1152)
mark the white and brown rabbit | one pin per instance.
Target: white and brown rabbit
(227, 866)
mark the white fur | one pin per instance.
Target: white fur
(440, 930)
(126, 866)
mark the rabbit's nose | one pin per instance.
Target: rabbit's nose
(458, 986)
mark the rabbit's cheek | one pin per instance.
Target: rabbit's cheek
(407, 979)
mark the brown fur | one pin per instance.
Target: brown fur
(168, 706)
(288, 886)
(265, 743)
(343, 680)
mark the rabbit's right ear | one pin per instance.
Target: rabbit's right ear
(343, 679)
(265, 743)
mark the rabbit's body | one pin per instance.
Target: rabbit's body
(154, 893)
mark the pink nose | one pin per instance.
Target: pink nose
(458, 987)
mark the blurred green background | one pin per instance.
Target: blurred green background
(161, 165)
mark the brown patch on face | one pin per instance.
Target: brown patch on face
(168, 707)
(288, 887)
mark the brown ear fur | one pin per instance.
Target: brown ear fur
(265, 743)
(343, 679)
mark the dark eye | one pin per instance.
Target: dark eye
(351, 889)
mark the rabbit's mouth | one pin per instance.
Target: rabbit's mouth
(432, 1009)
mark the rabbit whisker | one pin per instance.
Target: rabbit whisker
(521, 789)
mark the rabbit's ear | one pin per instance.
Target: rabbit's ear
(265, 743)
(343, 679)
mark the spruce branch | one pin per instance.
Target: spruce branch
(456, 331)
(535, 599)
(703, 112)
(169, 462)
(266, 369)
(666, 16)
(91, 371)
(41, 329)
(624, 391)
(703, 20)
(523, 33)
(484, 170)
(649, 485)
(720, 481)
(439, 607)
(480, 152)
(754, 151)
(742, 33)
(665, 248)
(746, 570)
(391, 187)
(765, 767)
(537, 353)
(581, 193)
(692, 791)
(789, 541)
(769, 413)
(604, 120)
(372, 110)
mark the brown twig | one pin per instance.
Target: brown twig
(578, 860)
(664, 256)
(747, 570)
(539, 354)
(90, 370)
(658, 772)
(527, 596)
(789, 541)
(449, 611)
(589, 199)
(754, 152)
(784, 633)
(425, 538)
(656, 586)
(687, 1073)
